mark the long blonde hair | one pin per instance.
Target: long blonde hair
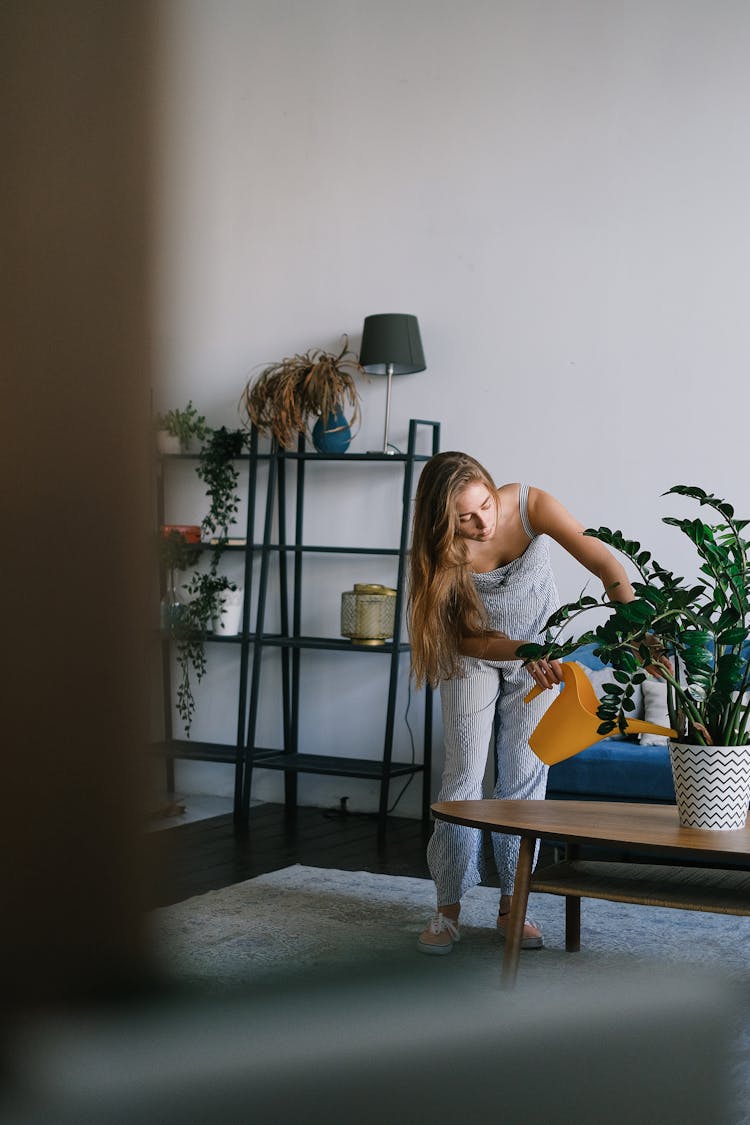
(443, 602)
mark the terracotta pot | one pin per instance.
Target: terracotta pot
(190, 532)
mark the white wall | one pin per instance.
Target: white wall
(558, 189)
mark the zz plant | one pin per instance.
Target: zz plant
(701, 628)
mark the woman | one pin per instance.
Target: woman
(481, 585)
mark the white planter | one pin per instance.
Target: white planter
(230, 622)
(712, 784)
(167, 443)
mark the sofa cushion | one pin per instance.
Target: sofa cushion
(600, 674)
(655, 711)
(614, 769)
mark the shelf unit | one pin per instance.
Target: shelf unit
(293, 643)
(289, 554)
(172, 748)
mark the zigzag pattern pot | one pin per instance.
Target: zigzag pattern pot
(712, 784)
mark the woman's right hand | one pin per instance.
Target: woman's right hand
(545, 673)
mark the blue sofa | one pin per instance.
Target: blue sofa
(613, 769)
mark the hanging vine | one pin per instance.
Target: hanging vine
(217, 470)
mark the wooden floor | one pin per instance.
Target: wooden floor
(208, 854)
(205, 855)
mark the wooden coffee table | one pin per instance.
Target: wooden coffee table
(724, 888)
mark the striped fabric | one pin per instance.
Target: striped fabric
(519, 597)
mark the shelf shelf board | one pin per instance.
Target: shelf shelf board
(247, 456)
(301, 548)
(385, 458)
(277, 640)
(333, 644)
(196, 751)
(335, 766)
(214, 638)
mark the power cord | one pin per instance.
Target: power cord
(413, 752)
(342, 812)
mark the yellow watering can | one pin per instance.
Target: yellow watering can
(569, 724)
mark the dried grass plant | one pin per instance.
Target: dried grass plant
(283, 398)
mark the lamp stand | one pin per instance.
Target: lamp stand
(389, 373)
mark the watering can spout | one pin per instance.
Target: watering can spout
(570, 724)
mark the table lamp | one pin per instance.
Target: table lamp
(391, 345)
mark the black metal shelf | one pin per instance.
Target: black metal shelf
(195, 751)
(276, 640)
(302, 549)
(385, 458)
(332, 644)
(315, 455)
(243, 643)
(291, 759)
(253, 640)
(374, 769)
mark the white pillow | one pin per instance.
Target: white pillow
(655, 710)
(601, 676)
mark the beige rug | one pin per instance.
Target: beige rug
(311, 924)
(303, 919)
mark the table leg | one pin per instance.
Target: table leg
(572, 923)
(572, 908)
(518, 911)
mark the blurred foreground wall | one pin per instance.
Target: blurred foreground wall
(74, 80)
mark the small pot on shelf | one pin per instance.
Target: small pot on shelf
(333, 435)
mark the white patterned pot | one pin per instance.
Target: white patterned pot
(712, 784)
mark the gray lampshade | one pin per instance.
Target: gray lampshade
(391, 340)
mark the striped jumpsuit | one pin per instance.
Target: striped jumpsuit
(519, 597)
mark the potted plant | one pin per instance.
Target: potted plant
(191, 618)
(699, 632)
(204, 602)
(317, 385)
(176, 553)
(177, 429)
(216, 468)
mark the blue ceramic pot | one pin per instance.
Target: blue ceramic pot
(334, 436)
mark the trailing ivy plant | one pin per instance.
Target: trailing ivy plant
(702, 628)
(204, 590)
(217, 470)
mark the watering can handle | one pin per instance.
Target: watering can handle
(535, 691)
(538, 689)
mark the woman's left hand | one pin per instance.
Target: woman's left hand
(545, 673)
(660, 660)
